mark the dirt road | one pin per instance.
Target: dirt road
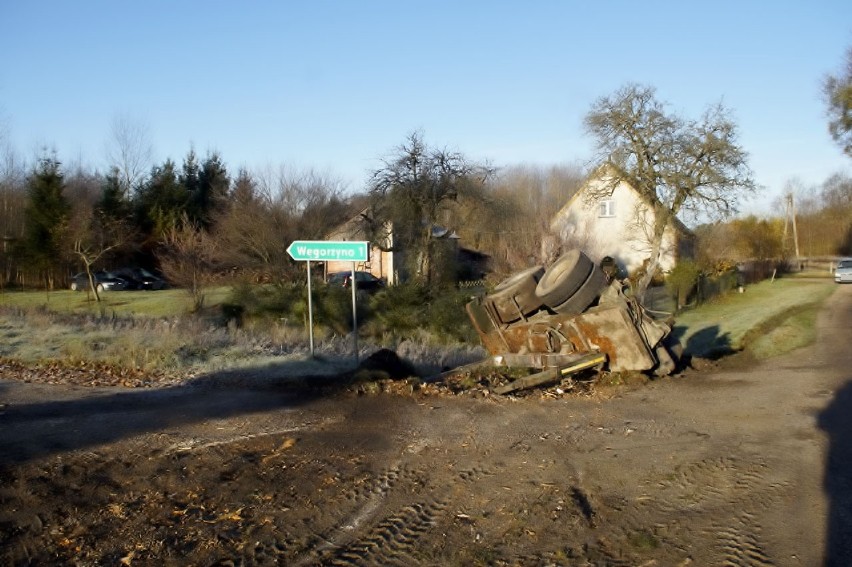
(739, 466)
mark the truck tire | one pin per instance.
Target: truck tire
(564, 277)
(515, 296)
(585, 296)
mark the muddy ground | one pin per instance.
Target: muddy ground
(727, 466)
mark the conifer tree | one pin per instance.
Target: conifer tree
(210, 192)
(114, 202)
(45, 216)
(161, 202)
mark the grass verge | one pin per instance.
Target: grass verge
(770, 318)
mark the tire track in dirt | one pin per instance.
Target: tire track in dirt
(713, 504)
(393, 540)
(388, 516)
(365, 501)
(740, 545)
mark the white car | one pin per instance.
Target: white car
(843, 271)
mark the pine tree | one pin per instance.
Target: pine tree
(211, 191)
(114, 203)
(46, 216)
(161, 202)
(244, 190)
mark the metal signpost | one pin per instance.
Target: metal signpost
(324, 251)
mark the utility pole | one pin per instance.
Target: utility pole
(790, 218)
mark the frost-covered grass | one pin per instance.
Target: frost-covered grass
(196, 345)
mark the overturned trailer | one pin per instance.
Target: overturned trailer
(573, 316)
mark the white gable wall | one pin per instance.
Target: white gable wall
(623, 235)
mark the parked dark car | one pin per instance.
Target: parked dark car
(140, 278)
(364, 281)
(104, 281)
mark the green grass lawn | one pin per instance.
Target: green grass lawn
(163, 303)
(769, 318)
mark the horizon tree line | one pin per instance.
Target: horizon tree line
(57, 220)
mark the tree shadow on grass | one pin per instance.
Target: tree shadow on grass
(708, 343)
(98, 416)
(836, 421)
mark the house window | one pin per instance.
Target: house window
(606, 208)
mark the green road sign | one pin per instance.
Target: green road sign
(329, 250)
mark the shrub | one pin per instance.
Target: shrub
(681, 281)
(333, 308)
(714, 285)
(448, 319)
(332, 305)
(398, 310)
(395, 313)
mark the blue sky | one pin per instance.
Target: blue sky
(335, 86)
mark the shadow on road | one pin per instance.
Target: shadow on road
(836, 421)
(38, 429)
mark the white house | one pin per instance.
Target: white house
(618, 224)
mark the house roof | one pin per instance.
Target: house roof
(355, 227)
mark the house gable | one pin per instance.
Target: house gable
(617, 225)
(380, 262)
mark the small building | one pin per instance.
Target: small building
(617, 224)
(389, 264)
(380, 262)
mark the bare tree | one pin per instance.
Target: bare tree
(13, 175)
(676, 165)
(268, 210)
(717, 247)
(92, 237)
(836, 195)
(510, 218)
(89, 234)
(189, 259)
(759, 239)
(129, 149)
(410, 192)
(824, 216)
(321, 204)
(252, 230)
(13, 200)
